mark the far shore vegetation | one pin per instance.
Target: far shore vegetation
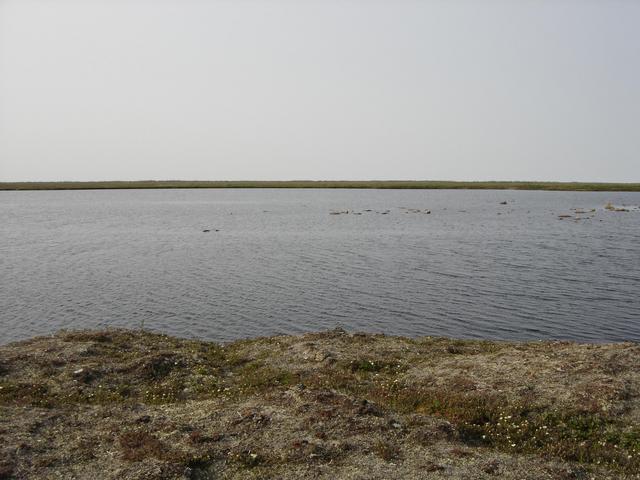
(372, 184)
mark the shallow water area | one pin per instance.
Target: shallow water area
(543, 265)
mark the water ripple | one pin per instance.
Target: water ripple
(281, 264)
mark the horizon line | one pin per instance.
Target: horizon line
(345, 184)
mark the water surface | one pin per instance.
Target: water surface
(281, 263)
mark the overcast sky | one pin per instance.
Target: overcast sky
(302, 89)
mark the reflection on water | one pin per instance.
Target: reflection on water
(288, 261)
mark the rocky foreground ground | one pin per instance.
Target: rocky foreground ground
(136, 405)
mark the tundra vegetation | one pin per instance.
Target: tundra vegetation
(133, 404)
(375, 184)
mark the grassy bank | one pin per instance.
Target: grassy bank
(122, 404)
(399, 184)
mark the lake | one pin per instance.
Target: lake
(286, 261)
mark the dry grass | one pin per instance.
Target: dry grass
(295, 407)
(138, 445)
(387, 450)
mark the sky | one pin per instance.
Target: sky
(326, 89)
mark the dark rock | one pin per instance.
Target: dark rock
(85, 375)
(368, 408)
(454, 349)
(434, 467)
(143, 419)
(491, 467)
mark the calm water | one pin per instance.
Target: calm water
(280, 263)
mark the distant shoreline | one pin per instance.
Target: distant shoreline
(353, 184)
